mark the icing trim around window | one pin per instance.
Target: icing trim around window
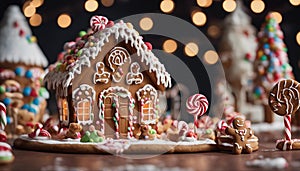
(147, 96)
(84, 94)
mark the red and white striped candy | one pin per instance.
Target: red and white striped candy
(3, 120)
(98, 22)
(197, 104)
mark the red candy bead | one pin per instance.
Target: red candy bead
(149, 45)
(21, 33)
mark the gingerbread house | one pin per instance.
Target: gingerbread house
(21, 68)
(108, 78)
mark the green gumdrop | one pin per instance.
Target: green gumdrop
(82, 33)
(263, 58)
(85, 138)
(152, 132)
(2, 89)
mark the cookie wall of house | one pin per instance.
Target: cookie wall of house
(100, 67)
(20, 87)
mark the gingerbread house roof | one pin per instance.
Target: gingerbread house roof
(17, 45)
(56, 77)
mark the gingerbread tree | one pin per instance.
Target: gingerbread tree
(237, 51)
(21, 69)
(271, 62)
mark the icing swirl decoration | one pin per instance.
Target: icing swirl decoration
(284, 97)
(197, 104)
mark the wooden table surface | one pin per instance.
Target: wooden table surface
(30, 160)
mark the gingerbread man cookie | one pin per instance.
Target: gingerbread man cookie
(240, 134)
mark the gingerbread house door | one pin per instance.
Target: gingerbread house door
(117, 107)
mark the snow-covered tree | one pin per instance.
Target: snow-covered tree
(237, 50)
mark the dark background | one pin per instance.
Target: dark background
(51, 37)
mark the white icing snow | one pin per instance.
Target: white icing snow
(15, 48)
(266, 127)
(131, 142)
(120, 31)
(268, 163)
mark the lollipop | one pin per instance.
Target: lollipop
(284, 100)
(196, 105)
(3, 120)
(98, 22)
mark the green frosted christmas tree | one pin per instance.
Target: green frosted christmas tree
(271, 63)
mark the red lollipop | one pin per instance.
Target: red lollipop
(196, 105)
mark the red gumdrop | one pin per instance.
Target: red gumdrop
(33, 93)
(110, 24)
(21, 33)
(16, 24)
(248, 56)
(149, 45)
(271, 41)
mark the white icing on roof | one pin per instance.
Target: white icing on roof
(15, 48)
(119, 30)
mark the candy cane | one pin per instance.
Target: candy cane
(3, 120)
(287, 130)
(130, 127)
(117, 117)
(98, 23)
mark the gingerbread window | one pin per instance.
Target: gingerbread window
(148, 114)
(84, 111)
(83, 97)
(64, 110)
(147, 97)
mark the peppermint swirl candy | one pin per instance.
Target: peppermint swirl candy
(98, 22)
(197, 104)
(284, 98)
(3, 120)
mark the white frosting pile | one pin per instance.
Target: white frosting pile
(268, 163)
(14, 47)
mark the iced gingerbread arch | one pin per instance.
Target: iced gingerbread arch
(83, 99)
(147, 96)
(116, 59)
(134, 76)
(116, 106)
(101, 75)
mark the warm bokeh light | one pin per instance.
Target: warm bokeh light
(29, 11)
(295, 2)
(211, 57)
(199, 18)
(64, 20)
(298, 38)
(191, 49)
(204, 3)
(91, 5)
(37, 3)
(277, 16)
(213, 31)
(169, 46)
(229, 5)
(257, 6)
(146, 24)
(107, 3)
(167, 6)
(35, 20)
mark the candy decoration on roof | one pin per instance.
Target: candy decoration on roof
(98, 23)
(284, 100)
(196, 105)
(271, 63)
(3, 120)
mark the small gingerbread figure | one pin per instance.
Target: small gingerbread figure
(240, 134)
